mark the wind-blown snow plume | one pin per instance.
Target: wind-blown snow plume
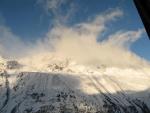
(79, 42)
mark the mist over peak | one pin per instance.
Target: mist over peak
(79, 43)
(72, 56)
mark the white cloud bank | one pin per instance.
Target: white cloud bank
(79, 43)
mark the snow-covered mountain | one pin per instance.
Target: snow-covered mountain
(63, 86)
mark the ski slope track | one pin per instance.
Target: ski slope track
(67, 87)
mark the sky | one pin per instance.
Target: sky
(32, 20)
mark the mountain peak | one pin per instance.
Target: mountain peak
(56, 85)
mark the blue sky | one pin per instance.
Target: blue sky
(30, 19)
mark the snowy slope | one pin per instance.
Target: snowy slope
(63, 86)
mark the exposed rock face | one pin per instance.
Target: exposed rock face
(2, 63)
(9, 64)
(12, 64)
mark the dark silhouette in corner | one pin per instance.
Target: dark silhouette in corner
(143, 7)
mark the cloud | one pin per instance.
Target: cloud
(125, 39)
(97, 25)
(79, 43)
(10, 44)
(51, 5)
(54, 4)
(53, 8)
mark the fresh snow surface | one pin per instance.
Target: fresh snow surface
(64, 86)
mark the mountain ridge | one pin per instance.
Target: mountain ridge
(67, 87)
